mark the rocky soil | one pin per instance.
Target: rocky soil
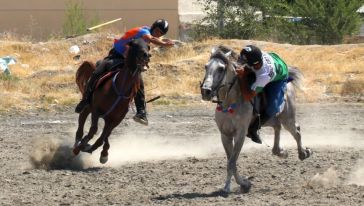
(179, 160)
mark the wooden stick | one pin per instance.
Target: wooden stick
(103, 24)
(153, 99)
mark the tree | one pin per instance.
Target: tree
(242, 19)
(75, 23)
(328, 21)
(230, 19)
(293, 21)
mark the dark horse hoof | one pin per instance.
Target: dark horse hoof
(86, 148)
(76, 150)
(306, 154)
(245, 188)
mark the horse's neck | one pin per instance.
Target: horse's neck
(130, 64)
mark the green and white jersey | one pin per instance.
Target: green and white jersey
(273, 69)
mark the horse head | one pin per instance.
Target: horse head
(220, 73)
(138, 55)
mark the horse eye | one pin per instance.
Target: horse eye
(220, 69)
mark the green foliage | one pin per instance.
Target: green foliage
(75, 21)
(229, 19)
(328, 21)
(322, 22)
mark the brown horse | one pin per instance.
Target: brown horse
(110, 99)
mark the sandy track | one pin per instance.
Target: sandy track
(179, 160)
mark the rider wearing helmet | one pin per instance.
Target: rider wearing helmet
(119, 51)
(271, 74)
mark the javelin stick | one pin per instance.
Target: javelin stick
(103, 24)
(153, 99)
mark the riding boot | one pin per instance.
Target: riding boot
(141, 117)
(86, 98)
(140, 104)
(255, 126)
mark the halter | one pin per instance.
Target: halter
(225, 84)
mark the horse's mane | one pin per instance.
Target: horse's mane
(135, 46)
(226, 49)
(221, 52)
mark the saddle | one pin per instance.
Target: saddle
(104, 77)
(111, 66)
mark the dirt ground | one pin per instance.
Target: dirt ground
(179, 160)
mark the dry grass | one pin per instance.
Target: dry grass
(43, 77)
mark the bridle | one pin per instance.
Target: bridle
(222, 83)
(142, 62)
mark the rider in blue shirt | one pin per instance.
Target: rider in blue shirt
(118, 52)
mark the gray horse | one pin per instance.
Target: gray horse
(234, 115)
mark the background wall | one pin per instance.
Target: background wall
(42, 18)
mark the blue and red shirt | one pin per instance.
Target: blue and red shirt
(135, 33)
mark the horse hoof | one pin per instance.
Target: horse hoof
(103, 159)
(306, 154)
(76, 150)
(87, 148)
(245, 187)
(283, 154)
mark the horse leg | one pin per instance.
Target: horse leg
(227, 142)
(104, 135)
(81, 124)
(277, 150)
(85, 147)
(104, 153)
(79, 133)
(294, 129)
(244, 183)
(83, 144)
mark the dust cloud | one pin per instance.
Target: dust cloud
(50, 153)
(132, 148)
(328, 179)
(357, 175)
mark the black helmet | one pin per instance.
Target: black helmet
(251, 54)
(161, 24)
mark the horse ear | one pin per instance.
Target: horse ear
(227, 54)
(213, 50)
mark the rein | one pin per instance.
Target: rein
(121, 95)
(229, 84)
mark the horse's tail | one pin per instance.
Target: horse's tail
(296, 76)
(83, 73)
